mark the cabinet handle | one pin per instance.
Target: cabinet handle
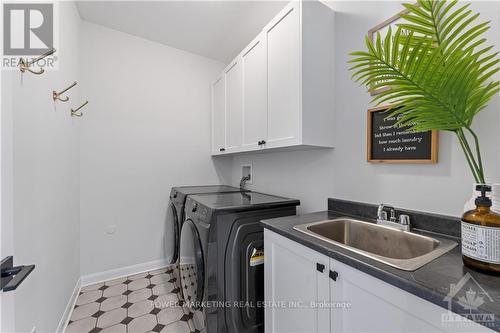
(333, 275)
(263, 142)
(222, 149)
(259, 143)
(320, 267)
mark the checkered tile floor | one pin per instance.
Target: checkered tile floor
(146, 302)
(188, 281)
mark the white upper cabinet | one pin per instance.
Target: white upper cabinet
(218, 115)
(254, 62)
(279, 90)
(283, 57)
(234, 106)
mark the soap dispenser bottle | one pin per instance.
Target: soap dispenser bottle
(481, 235)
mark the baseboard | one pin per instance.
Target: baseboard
(123, 271)
(69, 308)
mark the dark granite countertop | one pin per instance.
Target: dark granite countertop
(431, 282)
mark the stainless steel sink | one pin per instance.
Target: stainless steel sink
(401, 249)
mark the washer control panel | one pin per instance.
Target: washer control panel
(196, 211)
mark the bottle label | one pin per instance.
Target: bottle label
(481, 243)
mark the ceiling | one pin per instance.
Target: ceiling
(214, 29)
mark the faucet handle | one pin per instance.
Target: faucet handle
(393, 215)
(380, 212)
(404, 219)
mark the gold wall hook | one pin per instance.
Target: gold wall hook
(57, 95)
(24, 64)
(75, 113)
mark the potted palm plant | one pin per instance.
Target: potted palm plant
(438, 69)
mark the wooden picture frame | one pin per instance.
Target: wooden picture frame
(382, 27)
(433, 159)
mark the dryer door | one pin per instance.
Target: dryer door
(191, 265)
(172, 234)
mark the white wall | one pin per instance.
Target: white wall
(146, 129)
(7, 320)
(42, 152)
(312, 176)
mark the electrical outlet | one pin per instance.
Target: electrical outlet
(246, 170)
(111, 229)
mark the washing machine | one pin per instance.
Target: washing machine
(175, 215)
(221, 258)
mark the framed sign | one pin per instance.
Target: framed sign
(382, 28)
(388, 143)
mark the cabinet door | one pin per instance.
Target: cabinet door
(254, 62)
(234, 106)
(283, 61)
(218, 115)
(375, 306)
(293, 287)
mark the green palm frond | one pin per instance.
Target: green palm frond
(438, 70)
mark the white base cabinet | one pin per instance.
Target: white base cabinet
(357, 301)
(294, 279)
(279, 89)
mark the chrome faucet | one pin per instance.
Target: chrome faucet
(404, 220)
(243, 180)
(382, 214)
